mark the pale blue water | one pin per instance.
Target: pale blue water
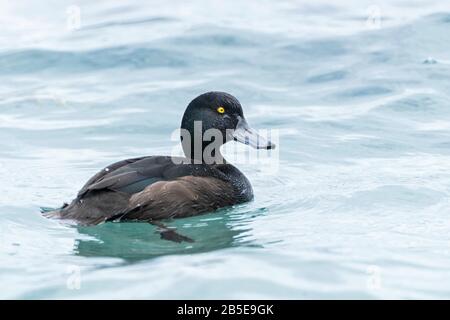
(360, 205)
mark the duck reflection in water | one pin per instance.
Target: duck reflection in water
(139, 241)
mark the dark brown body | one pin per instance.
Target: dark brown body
(155, 188)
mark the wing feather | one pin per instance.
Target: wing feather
(120, 175)
(182, 197)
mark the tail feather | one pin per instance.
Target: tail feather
(49, 212)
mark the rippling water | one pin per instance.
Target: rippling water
(360, 94)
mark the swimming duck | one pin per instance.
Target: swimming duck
(153, 188)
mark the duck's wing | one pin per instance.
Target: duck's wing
(129, 176)
(180, 197)
(108, 192)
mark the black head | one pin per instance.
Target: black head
(216, 118)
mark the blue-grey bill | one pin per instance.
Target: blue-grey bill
(247, 135)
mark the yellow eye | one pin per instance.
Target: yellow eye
(220, 109)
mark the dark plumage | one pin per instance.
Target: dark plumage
(160, 187)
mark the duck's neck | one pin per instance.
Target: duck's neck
(205, 153)
(199, 151)
(200, 145)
